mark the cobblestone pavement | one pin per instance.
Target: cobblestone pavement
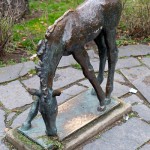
(132, 71)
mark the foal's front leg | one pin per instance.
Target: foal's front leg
(82, 58)
(32, 114)
(110, 39)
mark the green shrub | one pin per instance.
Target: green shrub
(136, 17)
(6, 24)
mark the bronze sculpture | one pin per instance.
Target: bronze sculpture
(93, 20)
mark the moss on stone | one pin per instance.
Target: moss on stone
(53, 143)
(27, 142)
(1, 104)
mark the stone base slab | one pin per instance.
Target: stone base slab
(87, 129)
(97, 126)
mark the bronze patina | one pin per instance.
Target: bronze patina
(93, 20)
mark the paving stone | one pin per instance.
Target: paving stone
(33, 82)
(134, 50)
(95, 64)
(146, 61)
(128, 136)
(27, 66)
(119, 78)
(133, 74)
(86, 83)
(14, 95)
(10, 72)
(62, 78)
(119, 89)
(143, 111)
(3, 146)
(10, 116)
(67, 61)
(146, 147)
(2, 124)
(96, 56)
(122, 63)
(20, 119)
(133, 99)
(127, 63)
(74, 90)
(67, 76)
(13, 72)
(91, 54)
(69, 93)
(140, 78)
(62, 98)
(143, 85)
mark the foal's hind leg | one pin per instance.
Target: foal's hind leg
(82, 58)
(102, 55)
(110, 39)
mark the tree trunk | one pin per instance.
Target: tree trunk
(14, 8)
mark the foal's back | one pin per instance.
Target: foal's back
(76, 27)
(88, 20)
(105, 12)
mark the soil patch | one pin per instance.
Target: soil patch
(17, 56)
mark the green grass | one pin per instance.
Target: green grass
(2, 64)
(28, 33)
(9, 62)
(132, 114)
(146, 40)
(32, 71)
(76, 66)
(125, 41)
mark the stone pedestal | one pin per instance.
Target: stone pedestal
(77, 121)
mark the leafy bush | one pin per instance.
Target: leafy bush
(6, 24)
(10, 12)
(136, 17)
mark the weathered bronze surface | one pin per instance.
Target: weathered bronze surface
(72, 116)
(93, 20)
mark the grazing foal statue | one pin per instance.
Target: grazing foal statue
(93, 20)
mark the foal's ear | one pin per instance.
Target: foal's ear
(56, 93)
(34, 92)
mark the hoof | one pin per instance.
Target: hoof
(25, 126)
(101, 108)
(107, 101)
(51, 133)
(93, 92)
